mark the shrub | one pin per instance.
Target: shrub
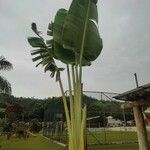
(36, 126)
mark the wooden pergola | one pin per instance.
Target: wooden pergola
(135, 99)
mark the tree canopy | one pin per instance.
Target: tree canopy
(5, 86)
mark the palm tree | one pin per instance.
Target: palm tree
(5, 86)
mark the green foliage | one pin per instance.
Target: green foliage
(36, 126)
(46, 108)
(4, 64)
(65, 55)
(74, 40)
(44, 53)
(5, 86)
(70, 31)
(80, 30)
(2, 113)
(14, 112)
(7, 127)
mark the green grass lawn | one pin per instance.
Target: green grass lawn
(33, 143)
(112, 136)
(115, 147)
(40, 143)
(107, 137)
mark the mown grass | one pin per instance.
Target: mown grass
(33, 143)
(41, 143)
(107, 137)
(111, 137)
(115, 147)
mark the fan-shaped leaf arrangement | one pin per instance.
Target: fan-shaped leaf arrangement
(75, 41)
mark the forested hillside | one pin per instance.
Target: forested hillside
(48, 108)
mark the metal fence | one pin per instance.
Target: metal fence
(112, 131)
(103, 126)
(105, 96)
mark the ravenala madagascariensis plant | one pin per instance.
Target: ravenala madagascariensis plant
(75, 41)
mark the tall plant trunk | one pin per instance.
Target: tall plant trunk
(76, 117)
(75, 114)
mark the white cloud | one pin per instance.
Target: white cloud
(124, 27)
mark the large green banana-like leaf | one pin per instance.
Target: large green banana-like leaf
(67, 56)
(58, 50)
(36, 42)
(80, 27)
(55, 30)
(58, 25)
(44, 54)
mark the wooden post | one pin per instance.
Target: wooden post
(141, 128)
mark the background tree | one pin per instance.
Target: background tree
(14, 112)
(5, 86)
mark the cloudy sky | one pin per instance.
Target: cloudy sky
(124, 26)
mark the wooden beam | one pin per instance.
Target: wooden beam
(141, 128)
(135, 103)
